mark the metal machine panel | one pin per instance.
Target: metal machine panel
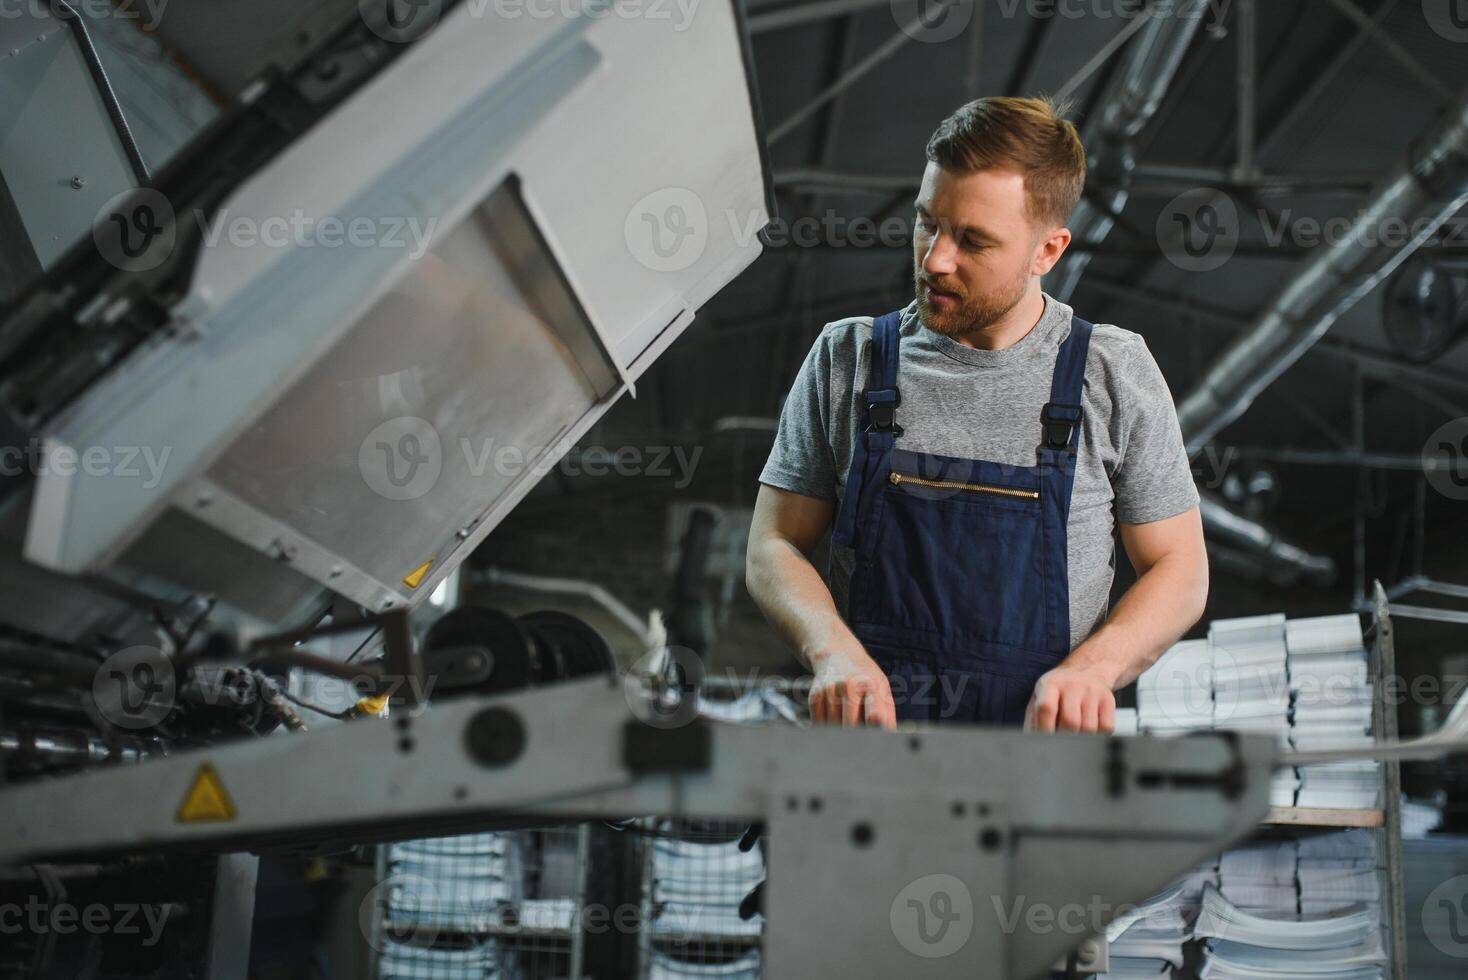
(60, 176)
(454, 387)
(550, 180)
(925, 867)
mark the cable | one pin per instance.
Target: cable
(339, 715)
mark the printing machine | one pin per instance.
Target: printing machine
(308, 409)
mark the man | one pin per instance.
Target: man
(975, 451)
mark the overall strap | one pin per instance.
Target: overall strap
(881, 396)
(878, 428)
(1061, 416)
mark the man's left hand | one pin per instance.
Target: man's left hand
(1070, 699)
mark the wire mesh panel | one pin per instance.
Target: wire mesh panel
(538, 904)
(702, 905)
(490, 905)
(702, 879)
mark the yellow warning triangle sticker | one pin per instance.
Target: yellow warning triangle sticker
(414, 577)
(206, 799)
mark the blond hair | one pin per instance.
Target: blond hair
(1030, 136)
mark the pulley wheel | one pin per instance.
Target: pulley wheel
(513, 656)
(582, 650)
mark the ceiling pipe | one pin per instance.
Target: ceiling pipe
(1130, 103)
(1282, 562)
(1427, 187)
(1131, 100)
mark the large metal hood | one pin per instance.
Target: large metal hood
(355, 418)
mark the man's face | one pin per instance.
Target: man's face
(975, 248)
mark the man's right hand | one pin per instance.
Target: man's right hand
(850, 689)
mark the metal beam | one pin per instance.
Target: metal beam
(1100, 58)
(1378, 364)
(1147, 179)
(885, 50)
(795, 14)
(1129, 104)
(1019, 75)
(1338, 457)
(1373, 31)
(1248, 51)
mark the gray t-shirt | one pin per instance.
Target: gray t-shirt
(985, 404)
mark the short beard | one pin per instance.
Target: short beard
(971, 315)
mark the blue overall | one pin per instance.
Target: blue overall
(959, 587)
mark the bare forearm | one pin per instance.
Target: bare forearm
(795, 600)
(1162, 605)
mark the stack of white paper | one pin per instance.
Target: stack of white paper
(460, 883)
(404, 961)
(1340, 785)
(1195, 883)
(1148, 940)
(1241, 944)
(1338, 873)
(1176, 693)
(547, 913)
(1251, 691)
(697, 887)
(1328, 676)
(1260, 876)
(1332, 709)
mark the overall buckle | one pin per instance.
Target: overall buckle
(881, 404)
(1059, 421)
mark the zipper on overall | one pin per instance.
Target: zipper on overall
(898, 479)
